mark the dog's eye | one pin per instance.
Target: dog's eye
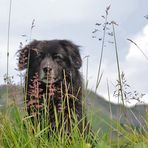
(58, 57)
(39, 55)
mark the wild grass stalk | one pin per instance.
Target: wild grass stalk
(99, 73)
(146, 57)
(110, 111)
(117, 62)
(28, 60)
(86, 78)
(120, 88)
(8, 43)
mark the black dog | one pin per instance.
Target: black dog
(53, 81)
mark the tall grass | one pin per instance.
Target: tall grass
(118, 65)
(18, 130)
(121, 93)
(99, 74)
(8, 42)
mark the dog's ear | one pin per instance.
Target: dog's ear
(73, 52)
(27, 53)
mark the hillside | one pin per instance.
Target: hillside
(101, 112)
(15, 94)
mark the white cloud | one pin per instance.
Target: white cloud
(135, 67)
(135, 55)
(54, 10)
(136, 64)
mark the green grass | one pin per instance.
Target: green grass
(17, 131)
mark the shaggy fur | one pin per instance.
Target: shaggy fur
(53, 80)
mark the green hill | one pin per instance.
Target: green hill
(14, 93)
(105, 113)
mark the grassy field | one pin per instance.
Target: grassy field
(17, 130)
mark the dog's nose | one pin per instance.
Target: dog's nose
(46, 69)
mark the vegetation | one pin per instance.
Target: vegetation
(17, 129)
(108, 129)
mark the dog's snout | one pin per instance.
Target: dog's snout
(47, 65)
(50, 71)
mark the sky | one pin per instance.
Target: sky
(75, 20)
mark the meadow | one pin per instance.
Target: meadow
(18, 131)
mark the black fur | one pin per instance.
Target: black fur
(52, 74)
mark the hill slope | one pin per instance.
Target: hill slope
(103, 112)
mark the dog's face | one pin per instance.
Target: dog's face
(50, 59)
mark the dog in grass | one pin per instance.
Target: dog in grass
(53, 83)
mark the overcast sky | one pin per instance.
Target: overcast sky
(75, 20)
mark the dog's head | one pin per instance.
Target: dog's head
(50, 59)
